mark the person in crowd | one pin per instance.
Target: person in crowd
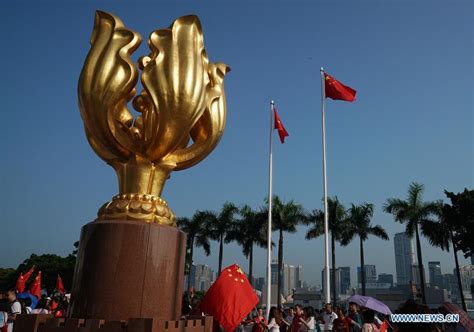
(354, 317)
(328, 317)
(308, 321)
(259, 322)
(15, 308)
(290, 313)
(296, 323)
(341, 323)
(369, 321)
(26, 304)
(275, 320)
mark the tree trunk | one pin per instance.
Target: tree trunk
(191, 245)
(251, 264)
(362, 264)
(458, 273)
(280, 268)
(333, 274)
(221, 253)
(420, 265)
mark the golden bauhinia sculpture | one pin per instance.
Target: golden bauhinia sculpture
(182, 110)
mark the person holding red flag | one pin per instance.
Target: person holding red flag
(23, 279)
(35, 288)
(59, 285)
(230, 298)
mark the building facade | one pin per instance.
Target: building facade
(385, 278)
(436, 277)
(202, 277)
(404, 258)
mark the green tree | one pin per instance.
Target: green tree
(461, 214)
(413, 212)
(285, 218)
(196, 231)
(8, 278)
(337, 228)
(448, 229)
(219, 225)
(248, 231)
(359, 224)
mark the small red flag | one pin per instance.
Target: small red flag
(279, 126)
(29, 273)
(338, 91)
(384, 327)
(23, 279)
(59, 285)
(230, 298)
(20, 284)
(35, 288)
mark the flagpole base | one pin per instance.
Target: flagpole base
(128, 269)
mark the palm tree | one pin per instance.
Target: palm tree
(413, 212)
(250, 230)
(285, 218)
(196, 236)
(358, 223)
(336, 224)
(219, 226)
(440, 233)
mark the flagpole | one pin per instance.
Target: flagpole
(325, 188)
(269, 228)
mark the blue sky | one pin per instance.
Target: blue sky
(411, 63)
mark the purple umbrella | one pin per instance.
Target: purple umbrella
(370, 303)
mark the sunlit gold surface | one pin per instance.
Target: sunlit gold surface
(182, 110)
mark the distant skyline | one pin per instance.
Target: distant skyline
(411, 64)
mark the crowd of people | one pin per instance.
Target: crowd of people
(308, 319)
(11, 305)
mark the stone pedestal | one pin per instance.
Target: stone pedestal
(128, 269)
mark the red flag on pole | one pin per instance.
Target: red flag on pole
(279, 126)
(23, 279)
(338, 91)
(230, 298)
(28, 274)
(59, 285)
(35, 288)
(20, 284)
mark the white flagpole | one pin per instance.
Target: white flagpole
(269, 231)
(325, 188)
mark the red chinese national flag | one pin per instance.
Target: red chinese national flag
(338, 91)
(279, 126)
(20, 283)
(59, 285)
(28, 274)
(35, 288)
(22, 279)
(230, 298)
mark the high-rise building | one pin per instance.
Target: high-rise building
(385, 278)
(467, 274)
(370, 274)
(331, 284)
(341, 279)
(404, 258)
(436, 278)
(201, 277)
(345, 279)
(292, 277)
